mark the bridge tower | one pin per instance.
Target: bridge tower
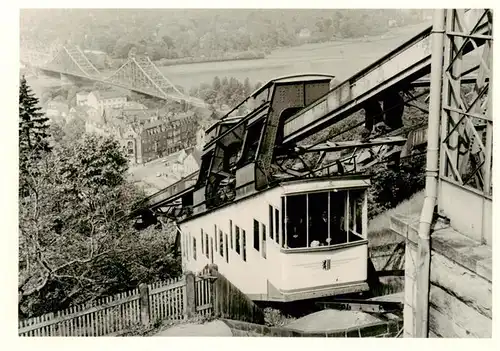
(448, 258)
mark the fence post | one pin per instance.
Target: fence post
(144, 303)
(189, 295)
(214, 272)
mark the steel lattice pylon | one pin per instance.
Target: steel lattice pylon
(140, 73)
(71, 60)
(467, 119)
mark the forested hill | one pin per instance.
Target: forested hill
(178, 33)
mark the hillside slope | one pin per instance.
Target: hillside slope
(379, 228)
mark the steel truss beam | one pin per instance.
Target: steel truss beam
(467, 119)
(401, 67)
(363, 156)
(71, 60)
(82, 61)
(351, 144)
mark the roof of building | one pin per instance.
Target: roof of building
(108, 94)
(134, 105)
(177, 156)
(196, 154)
(131, 114)
(153, 124)
(82, 110)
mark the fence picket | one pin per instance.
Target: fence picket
(106, 318)
(174, 304)
(100, 329)
(70, 323)
(121, 316)
(161, 304)
(180, 311)
(37, 320)
(42, 330)
(87, 325)
(168, 304)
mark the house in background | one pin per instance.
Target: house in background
(145, 134)
(140, 116)
(192, 162)
(129, 137)
(304, 33)
(200, 138)
(102, 99)
(182, 163)
(175, 163)
(158, 138)
(81, 98)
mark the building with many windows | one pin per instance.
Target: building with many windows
(102, 99)
(160, 138)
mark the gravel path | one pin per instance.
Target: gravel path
(214, 328)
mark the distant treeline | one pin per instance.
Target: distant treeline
(249, 55)
(197, 33)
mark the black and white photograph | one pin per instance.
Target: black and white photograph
(254, 172)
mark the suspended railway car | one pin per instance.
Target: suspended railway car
(296, 240)
(276, 236)
(279, 225)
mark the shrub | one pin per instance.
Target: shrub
(391, 186)
(275, 318)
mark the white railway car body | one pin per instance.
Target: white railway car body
(286, 243)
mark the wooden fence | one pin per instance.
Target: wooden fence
(176, 299)
(115, 314)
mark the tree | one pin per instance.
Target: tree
(33, 125)
(74, 129)
(169, 42)
(71, 97)
(33, 133)
(56, 132)
(247, 87)
(216, 84)
(77, 242)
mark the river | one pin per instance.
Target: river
(341, 59)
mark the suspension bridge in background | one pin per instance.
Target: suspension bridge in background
(138, 73)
